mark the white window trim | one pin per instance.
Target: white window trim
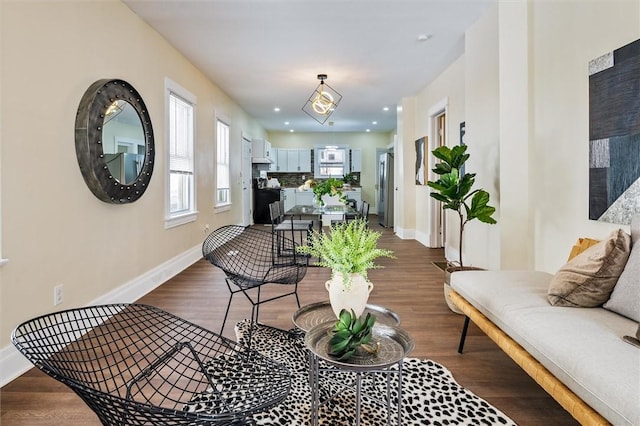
(222, 207)
(172, 221)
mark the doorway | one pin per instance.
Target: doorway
(437, 137)
(246, 181)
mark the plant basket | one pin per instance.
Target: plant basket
(451, 268)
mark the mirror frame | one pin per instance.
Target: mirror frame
(89, 148)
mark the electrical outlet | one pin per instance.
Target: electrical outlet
(57, 295)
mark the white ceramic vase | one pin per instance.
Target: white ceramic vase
(353, 296)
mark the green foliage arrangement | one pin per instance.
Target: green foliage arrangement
(331, 186)
(348, 248)
(349, 333)
(454, 190)
(349, 178)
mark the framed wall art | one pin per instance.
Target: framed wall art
(614, 135)
(421, 161)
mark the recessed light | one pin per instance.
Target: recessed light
(374, 122)
(291, 130)
(286, 123)
(424, 37)
(368, 130)
(385, 109)
(276, 109)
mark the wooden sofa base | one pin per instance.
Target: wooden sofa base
(582, 412)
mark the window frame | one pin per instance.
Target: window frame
(224, 205)
(190, 215)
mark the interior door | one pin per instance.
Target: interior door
(246, 181)
(438, 223)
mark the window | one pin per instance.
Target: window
(223, 172)
(181, 135)
(331, 162)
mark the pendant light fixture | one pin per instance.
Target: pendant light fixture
(322, 102)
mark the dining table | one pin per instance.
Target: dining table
(316, 212)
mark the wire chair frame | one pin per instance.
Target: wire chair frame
(251, 258)
(139, 365)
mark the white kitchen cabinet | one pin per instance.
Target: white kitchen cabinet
(289, 197)
(292, 160)
(304, 198)
(356, 160)
(304, 160)
(275, 166)
(261, 151)
(280, 157)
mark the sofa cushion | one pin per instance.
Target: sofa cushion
(581, 347)
(588, 279)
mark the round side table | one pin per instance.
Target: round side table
(395, 345)
(314, 314)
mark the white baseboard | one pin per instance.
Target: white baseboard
(451, 253)
(422, 238)
(405, 234)
(13, 363)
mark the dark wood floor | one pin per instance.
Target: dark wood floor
(409, 285)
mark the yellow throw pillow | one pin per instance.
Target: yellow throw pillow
(581, 245)
(588, 279)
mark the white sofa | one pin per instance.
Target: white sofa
(575, 354)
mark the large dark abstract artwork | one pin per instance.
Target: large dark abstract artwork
(614, 135)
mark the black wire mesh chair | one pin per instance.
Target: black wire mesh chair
(138, 365)
(250, 258)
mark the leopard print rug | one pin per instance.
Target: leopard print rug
(430, 395)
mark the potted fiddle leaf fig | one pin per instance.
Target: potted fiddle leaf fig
(454, 189)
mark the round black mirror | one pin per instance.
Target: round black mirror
(114, 141)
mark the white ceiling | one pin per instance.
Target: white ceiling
(267, 53)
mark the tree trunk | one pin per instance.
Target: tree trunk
(460, 240)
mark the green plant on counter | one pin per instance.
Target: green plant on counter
(331, 186)
(350, 248)
(350, 333)
(350, 179)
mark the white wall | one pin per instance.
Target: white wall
(404, 171)
(565, 36)
(54, 231)
(526, 95)
(481, 241)
(516, 165)
(446, 90)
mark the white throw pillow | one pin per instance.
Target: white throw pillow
(625, 298)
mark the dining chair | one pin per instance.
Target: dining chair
(281, 225)
(364, 213)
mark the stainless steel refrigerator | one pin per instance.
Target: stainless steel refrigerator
(386, 190)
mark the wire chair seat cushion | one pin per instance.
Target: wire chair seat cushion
(138, 365)
(249, 258)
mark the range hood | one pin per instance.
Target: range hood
(261, 160)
